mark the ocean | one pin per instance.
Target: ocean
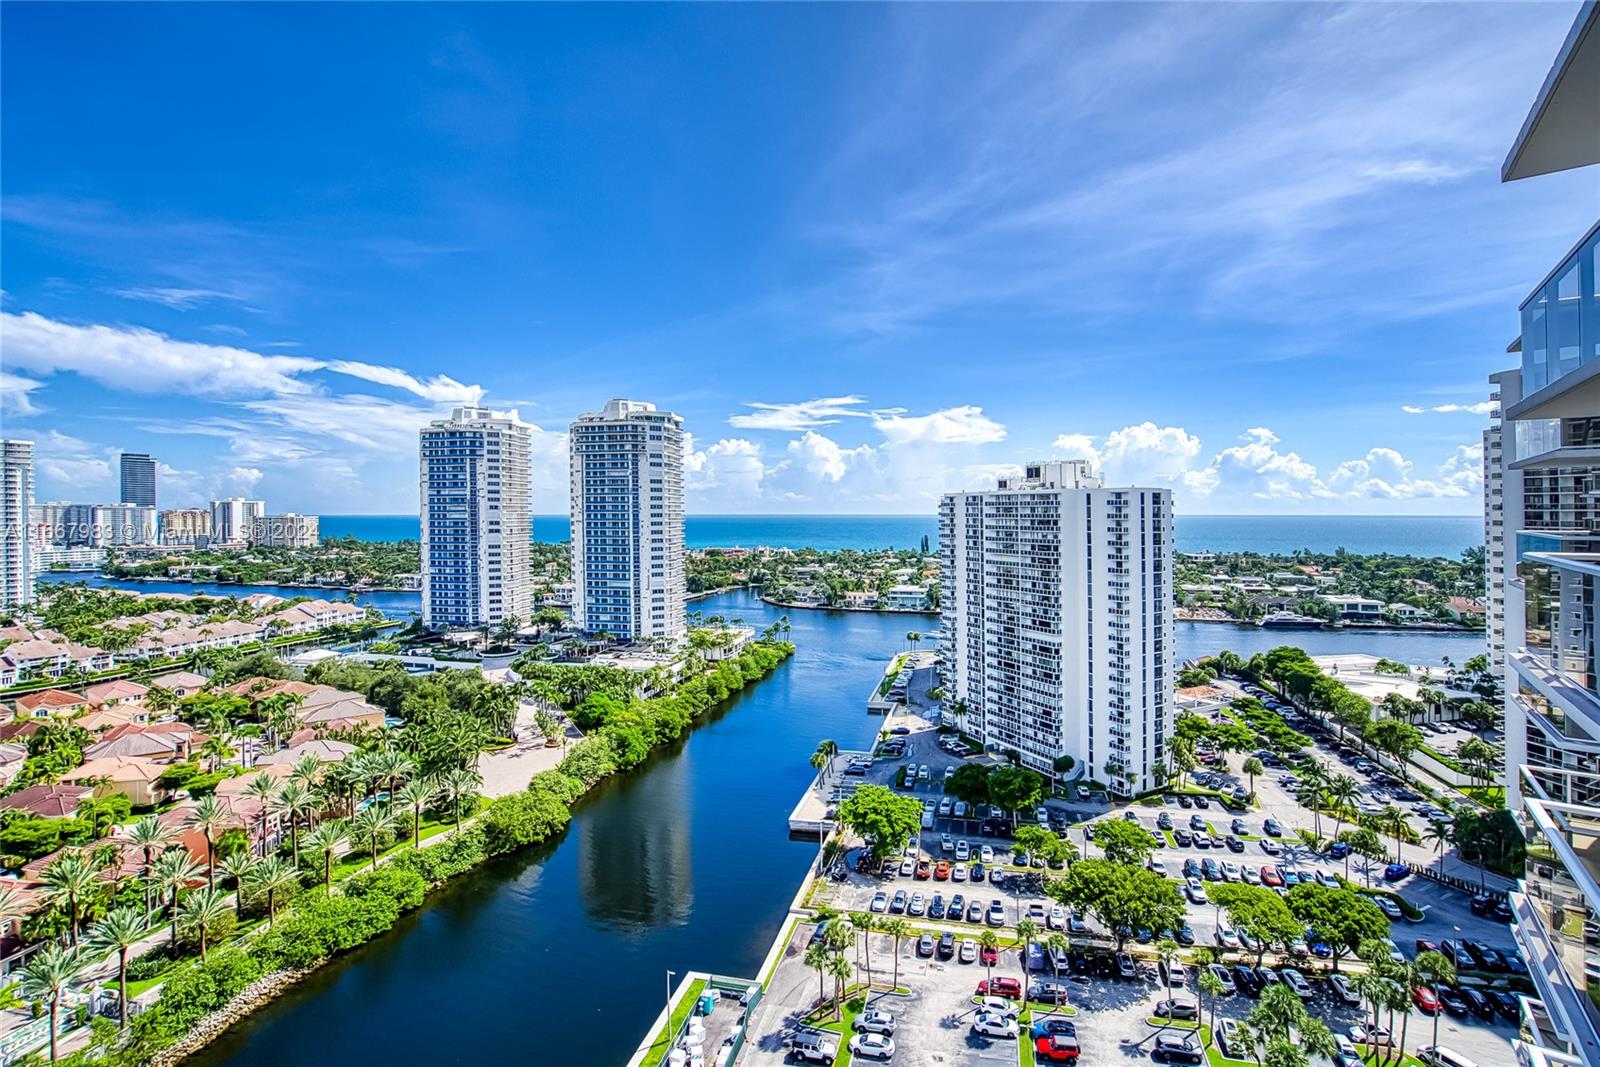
(1403, 535)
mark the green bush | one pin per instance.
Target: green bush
(521, 819)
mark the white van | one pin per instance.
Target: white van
(1439, 1056)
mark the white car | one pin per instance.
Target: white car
(969, 950)
(872, 1046)
(986, 854)
(908, 867)
(1394, 950)
(1328, 879)
(1296, 981)
(1158, 866)
(958, 873)
(1270, 847)
(922, 773)
(946, 843)
(944, 808)
(1389, 908)
(1057, 920)
(1251, 876)
(994, 1026)
(880, 902)
(1042, 816)
(875, 1021)
(1196, 891)
(1010, 1009)
(1230, 871)
(1362, 1034)
(1343, 990)
(963, 851)
(1227, 936)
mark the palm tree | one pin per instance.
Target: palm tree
(326, 839)
(1438, 834)
(306, 771)
(70, 881)
(1210, 987)
(295, 800)
(237, 865)
(1027, 930)
(991, 945)
(1394, 820)
(203, 913)
(865, 923)
(1341, 792)
(898, 929)
(1435, 969)
(47, 977)
(118, 932)
(174, 870)
(839, 968)
(391, 765)
(824, 754)
(417, 794)
(372, 823)
(272, 876)
(458, 783)
(1253, 766)
(148, 835)
(1313, 781)
(263, 789)
(209, 816)
(817, 957)
(1408, 980)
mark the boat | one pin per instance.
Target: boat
(1289, 620)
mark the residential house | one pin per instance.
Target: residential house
(120, 774)
(907, 598)
(181, 683)
(107, 694)
(57, 801)
(167, 741)
(326, 752)
(12, 757)
(1354, 608)
(48, 702)
(1408, 612)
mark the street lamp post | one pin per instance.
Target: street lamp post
(670, 1035)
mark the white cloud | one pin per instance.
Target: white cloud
(1412, 409)
(71, 463)
(14, 399)
(1257, 468)
(824, 458)
(732, 465)
(965, 425)
(1482, 407)
(173, 297)
(800, 415)
(440, 388)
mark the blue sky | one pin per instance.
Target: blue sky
(1258, 252)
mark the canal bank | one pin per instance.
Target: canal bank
(558, 955)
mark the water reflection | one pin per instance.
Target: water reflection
(635, 861)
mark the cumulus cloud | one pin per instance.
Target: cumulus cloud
(800, 415)
(824, 458)
(965, 425)
(72, 463)
(733, 465)
(1256, 466)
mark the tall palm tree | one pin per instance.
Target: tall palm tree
(391, 765)
(1027, 930)
(118, 932)
(1341, 792)
(372, 824)
(237, 865)
(459, 783)
(263, 789)
(147, 836)
(818, 957)
(990, 943)
(203, 913)
(47, 976)
(1210, 987)
(306, 771)
(839, 968)
(898, 929)
(174, 870)
(295, 800)
(326, 839)
(1394, 820)
(209, 816)
(272, 876)
(1313, 783)
(1435, 969)
(824, 754)
(1438, 834)
(417, 794)
(864, 923)
(70, 881)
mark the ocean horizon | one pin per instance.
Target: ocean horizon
(1401, 535)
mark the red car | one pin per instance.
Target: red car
(1424, 945)
(1058, 1048)
(1000, 987)
(923, 869)
(988, 956)
(1426, 1000)
(1270, 875)
(942, 871)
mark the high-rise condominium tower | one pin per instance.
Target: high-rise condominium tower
(233, 519)
(16, 505)
(1056, 599)
(1547, 569)
(138, 479)
(627, 522)
(476, 520)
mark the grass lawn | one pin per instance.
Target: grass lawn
(1214, 1057)
(680, 1012)
(850, 1007)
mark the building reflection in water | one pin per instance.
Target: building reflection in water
(635, 864)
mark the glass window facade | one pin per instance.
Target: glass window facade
(1561, 320)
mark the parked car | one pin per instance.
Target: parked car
(947, 945)
(1343, 990)
(1390, 909)
(1224, 976)
(1426, 1000)
(880, 902)
(1125, 967)
(813, 1046)
(1452, 1001)
(872, 1046)
(994, 1025)
(969, 950)
(1362, 1034)
(1170, 1048)
(1296, 981)
(1004, 986)
(1177, 1008)
(875, 1021)
(1056, 1048)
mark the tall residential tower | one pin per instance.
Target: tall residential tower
(16, 507)
(1549, 490)
(1056, 598)
(138, 479)
(627, 522)
(476, 519)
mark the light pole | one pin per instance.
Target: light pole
(670, 1035)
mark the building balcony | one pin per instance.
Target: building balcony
(1572, 699)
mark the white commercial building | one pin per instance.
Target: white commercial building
(1548, 578)
(476, 519)
(285, 531)
(123, 524)
(627, 522)
(1056, 606)
(186, 527)
(233, 518)
(16, 511)
(1502, 490)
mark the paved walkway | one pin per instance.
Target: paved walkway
(508, 770)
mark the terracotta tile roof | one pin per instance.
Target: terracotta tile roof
(48, 801)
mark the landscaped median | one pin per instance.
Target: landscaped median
(323, 922)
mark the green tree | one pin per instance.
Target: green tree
(209, 817)
(118, 932)
(174, 870)
(1342, 917)
(1435, 969)
(373, 824)
(969, 783)
(205, 913)
(898, 929)
(881, 818)
(1258, 911)
(1211, 988)
(1253, 766)
(270, 877)
(1016, 788)
(69, 883)
(990, 943)
(47, 977)
(417, 794)
(818, 957)
(1122, 898)
(1123, 841)
(325, 839)
(1027, 931)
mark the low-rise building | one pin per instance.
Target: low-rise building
(135, 778)
(907, 598)
(107, 694)
(1408, 612)
(1354, 608)
(48, 801)
(50, 702)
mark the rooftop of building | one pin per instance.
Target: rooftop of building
(1562, 130)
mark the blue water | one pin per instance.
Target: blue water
(1405, 535)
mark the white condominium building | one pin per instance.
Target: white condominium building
(627, 522)
(186, 527)
(286, 531)
(1549, 577)
(232, 519)
(1056, 606)
(123, 524)
(16, 511)
(476, 519)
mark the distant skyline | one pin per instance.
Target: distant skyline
(1258, 254)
